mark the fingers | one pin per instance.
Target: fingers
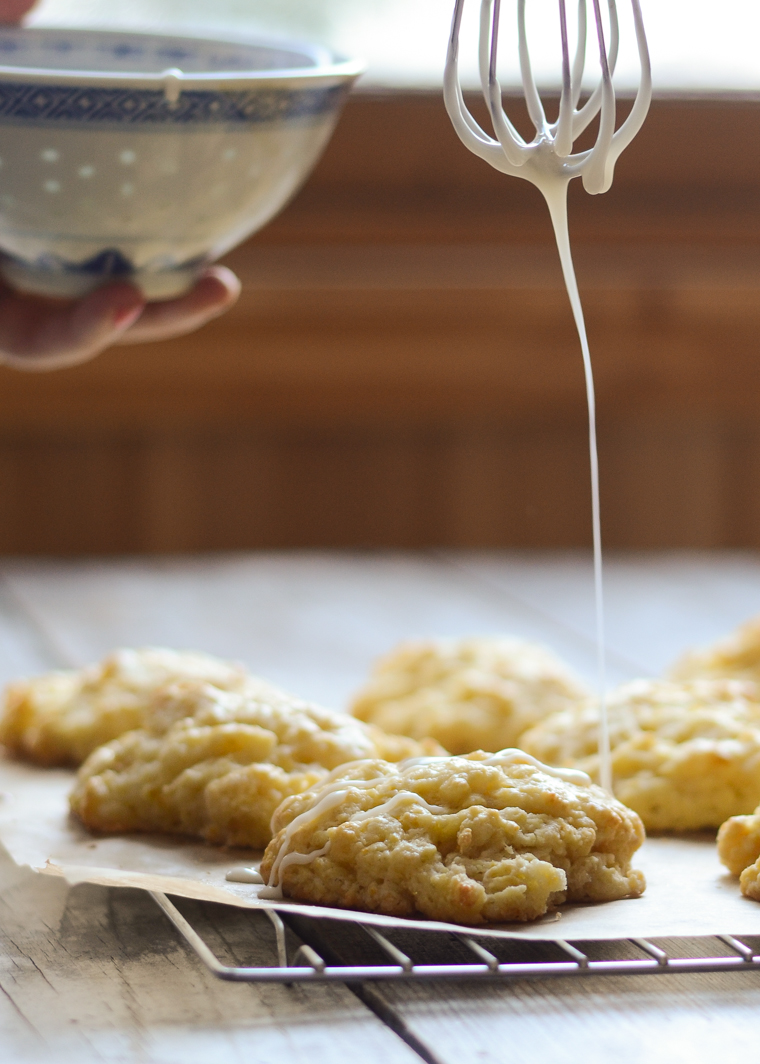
(215, 292)
(41, 334)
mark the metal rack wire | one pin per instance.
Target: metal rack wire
(306, 965)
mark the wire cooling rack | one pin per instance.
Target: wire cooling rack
(304, 964)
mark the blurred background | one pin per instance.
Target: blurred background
(402, 368)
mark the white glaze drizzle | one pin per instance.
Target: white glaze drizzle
(244, 875)
(505, 758)
(549, 163)
(331, 795)
(512, 756)
(335, 793)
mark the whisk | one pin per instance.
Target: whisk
(548, 160)
(550, 163)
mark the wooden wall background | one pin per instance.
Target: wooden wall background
(402, 368)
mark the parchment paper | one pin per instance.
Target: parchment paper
(688, 892)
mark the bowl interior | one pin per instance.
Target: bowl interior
(103, 52)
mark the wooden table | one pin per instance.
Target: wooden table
(89, 974)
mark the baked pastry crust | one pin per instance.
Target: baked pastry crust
(474, 840)
(736, 656)
(61, 717)
(739, 850)
(685, 755)
(216, 764)
(469, 694)
(749, 881)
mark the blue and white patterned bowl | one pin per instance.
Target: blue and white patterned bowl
(145, 157)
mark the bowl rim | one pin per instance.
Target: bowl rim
(327, 66)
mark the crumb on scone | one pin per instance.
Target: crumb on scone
(685, 756)
(739, 850)
(473, 840)
(478, 693)
(735, 656)
(61, 717)
(216, 764)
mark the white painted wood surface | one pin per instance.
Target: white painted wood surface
(314, 622)
(633, 1020)
(657, 605)
(95, 975)
(88, 974)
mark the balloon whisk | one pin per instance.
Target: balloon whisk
(550, 154)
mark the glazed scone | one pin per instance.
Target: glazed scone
(216, 764)
(473, 840)
(469, 694)
(736, 656)
(685, 756)
(60, 718)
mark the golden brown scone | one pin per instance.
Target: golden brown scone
(736, 656)
(477, 839)
(685, 756)
(469, 694)
(749, 881)
(218, 763)
(60, 718)
(739, 850)
(739, 842)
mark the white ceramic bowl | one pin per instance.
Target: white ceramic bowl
(145, 157)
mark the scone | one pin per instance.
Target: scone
(685, 756)
(60, 718)
(736, 656)
(473, 840)
(216, 764)
(739, 850)
(469, 694)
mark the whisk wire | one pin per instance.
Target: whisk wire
(468, 130)
(638, 113)
(487, 40)
(586, 115)
(595, 177)
(530, 90)
(563, 138)
(510, 140)
(579, 63)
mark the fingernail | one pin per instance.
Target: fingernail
(125, 316)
